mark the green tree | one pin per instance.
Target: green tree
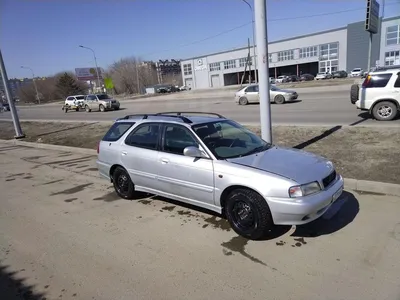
(67, 85)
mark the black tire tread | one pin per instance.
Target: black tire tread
(265, 221)
(131, 192)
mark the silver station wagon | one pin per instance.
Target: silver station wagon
(215, 163)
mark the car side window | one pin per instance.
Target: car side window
(177, 138)
(70, 98)
(145, 136)
(397, 82)
(252, 89)
(377, 80)
(90, 97)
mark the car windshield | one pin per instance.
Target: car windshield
(274, 88)
(356, 70)
(227, 139)
(103, 97)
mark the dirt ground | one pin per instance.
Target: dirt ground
(358, 152)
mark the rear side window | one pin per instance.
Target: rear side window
(116, 131)
(397, 83)
(377, 81)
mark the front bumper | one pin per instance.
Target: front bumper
(291, 97)
(298, 211)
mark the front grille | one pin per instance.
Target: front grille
(329, 179)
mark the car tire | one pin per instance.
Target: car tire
(385, 111)
(87, 108)
(279, 99)
(123, 184)
(243, 101)
(117, 108)
(77, 109)
(354, 90)
(102, 108)
(259, 218)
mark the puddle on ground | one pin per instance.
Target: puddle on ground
(65, 154)
(18, 174)
(186, 213)
(70, 200)
(28, 177)
(145, 202)
(168, 208)
(10, 179)
(81, 167)
(33, 157)
(109, 197)
(91, 169)
(53, 181)
(237, 244)
(73, 190)
(218, 223)
(280, 243)
(71, 165)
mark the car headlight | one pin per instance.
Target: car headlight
(304, 189)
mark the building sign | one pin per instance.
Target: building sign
(372, 16)
(87, 73)
(200, 65)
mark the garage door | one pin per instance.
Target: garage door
(215, 81)
(189, 82)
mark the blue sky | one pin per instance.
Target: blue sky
(45, 35)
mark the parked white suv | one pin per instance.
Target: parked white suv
(75, 100)
(379, 93)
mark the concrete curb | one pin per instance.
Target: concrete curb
(349, 183)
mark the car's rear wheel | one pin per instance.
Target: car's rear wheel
(354, 90)
(123, 184)
(243, 101)
(248, 213)
(102, 108)
(87, 108)
(279, 99)
(384, 111)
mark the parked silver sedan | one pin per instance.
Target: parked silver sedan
(215, 163)
(250, 94)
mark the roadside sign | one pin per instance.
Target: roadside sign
(372, 16)
(108, 83)
(87, 73)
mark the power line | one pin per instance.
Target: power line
(270, 20)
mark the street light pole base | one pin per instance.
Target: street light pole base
(17, 137)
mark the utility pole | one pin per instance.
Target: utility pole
(17, 126)
(95, 62)
(254, 41)
(249, 59)
(372, 24)
(260, 13)
(34, 83)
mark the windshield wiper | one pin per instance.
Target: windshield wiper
(257, 149)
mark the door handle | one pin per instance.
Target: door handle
(124, 153)
(164, 161)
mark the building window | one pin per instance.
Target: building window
(270, 57)
(308, 52)
(393, 35)
(329, 51)
(242, 62)
(215, 66)
(187, 69)
(392, 58)
(286, 55)
(230, 64)
(328, 66)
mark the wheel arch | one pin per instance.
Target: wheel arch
(225, 193)
(394, 101)
(112, 170)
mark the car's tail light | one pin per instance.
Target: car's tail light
(98, 147)
(366, 81)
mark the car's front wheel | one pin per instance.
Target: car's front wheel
(123, 184)
(87, 108)
(279, 99)
(243, 101)
(102, 108)
(385, 111)
(248, 214)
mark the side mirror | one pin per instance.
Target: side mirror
(193, 152)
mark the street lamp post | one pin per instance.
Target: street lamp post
(95, 61)
(34, 83)
(254, 41)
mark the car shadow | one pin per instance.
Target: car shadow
(367, 116)
(12, 288)
(273, 103)
(338, 216)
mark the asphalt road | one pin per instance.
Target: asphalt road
(65, 235)
(328, 108)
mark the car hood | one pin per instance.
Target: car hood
(297, 165)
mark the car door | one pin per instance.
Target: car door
(187, 178)
(252, 94)
(70, 100)
(139, 154)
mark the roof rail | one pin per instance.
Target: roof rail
(178, 113)
(146, 116)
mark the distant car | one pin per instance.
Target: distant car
(356, 72)
(75, 100)
(292, 78)
(100, 102)
(306, 77)
(250, 94)
(272, 80)
(339, 74)
(282, 79)
(185, 88)
(323, 75)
